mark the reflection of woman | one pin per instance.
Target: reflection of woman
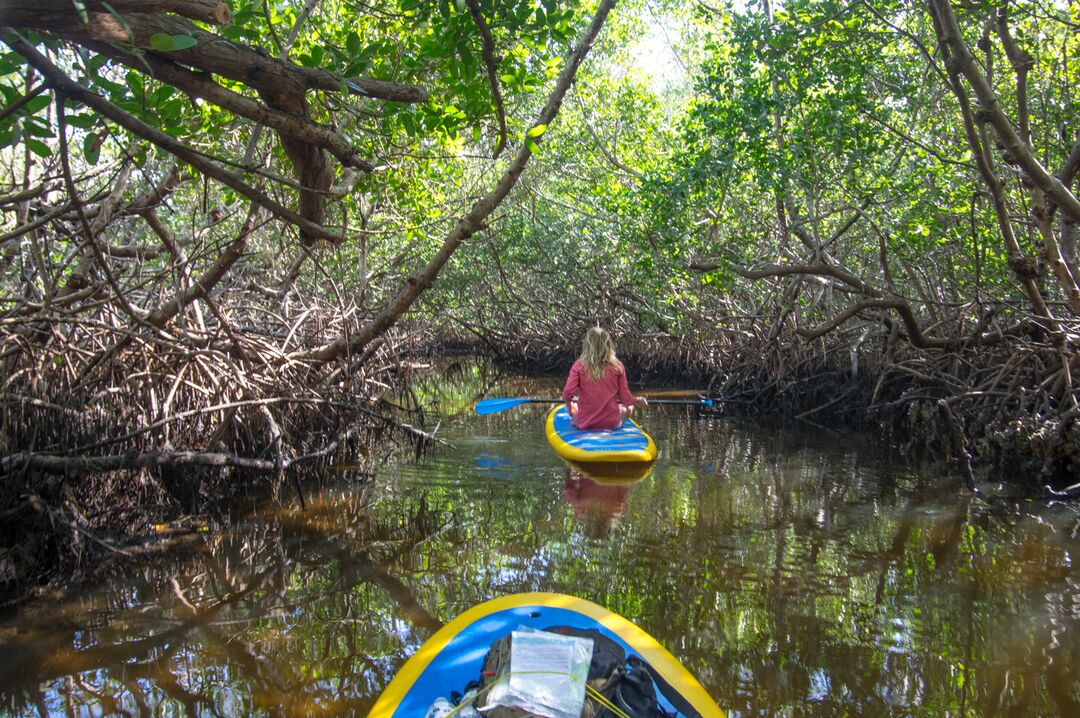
(595, 505)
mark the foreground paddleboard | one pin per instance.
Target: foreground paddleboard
(628, 443)
(455, 654)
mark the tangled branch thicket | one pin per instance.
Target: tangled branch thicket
(168, 425)
(124, 402)
(1000, 394)
(1010, 404)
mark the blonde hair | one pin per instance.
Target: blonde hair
(598, 352)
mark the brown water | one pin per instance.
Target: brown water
(795, 572)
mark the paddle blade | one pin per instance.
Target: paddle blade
(494, 406)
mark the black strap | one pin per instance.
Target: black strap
(674, 697)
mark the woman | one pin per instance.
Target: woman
(598, 381)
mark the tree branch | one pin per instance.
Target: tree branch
(282, 85)
(602, 145)
(492, 71)
(69, 87)
(204, 284)
(1071, 166)
(957, 58)
(53, 464)
(200, 85)
(951, 36)
(215, 54)
(821, 270)
(29, 13)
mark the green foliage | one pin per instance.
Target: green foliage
(825, 122)
(827, 107)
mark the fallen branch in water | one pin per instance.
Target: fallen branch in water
(54, 464)
(75, 465)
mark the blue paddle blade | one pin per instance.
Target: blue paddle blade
(494, 406)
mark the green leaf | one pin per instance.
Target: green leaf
(80, 10)
(36, 130)
(352, 43)
(135, 82)
(163, 42)
(171, 110)
(537, 131)
(91, 148)
(533, 147)
(183, 42)
(38, 103)
(38, 147)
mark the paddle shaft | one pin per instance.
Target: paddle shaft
(700, 402)
(495, 405)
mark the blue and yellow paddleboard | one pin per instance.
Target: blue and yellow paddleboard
(627, 443)
(455, 654)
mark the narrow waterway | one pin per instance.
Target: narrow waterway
(795, 571)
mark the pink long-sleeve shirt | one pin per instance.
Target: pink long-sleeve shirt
(597, 407)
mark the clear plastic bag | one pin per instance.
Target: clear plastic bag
(439, 709)
(547, 675)
(467, 706)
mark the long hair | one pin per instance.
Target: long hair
(597, 353)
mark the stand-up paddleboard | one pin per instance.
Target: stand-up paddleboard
(628, 443)
(455, 654)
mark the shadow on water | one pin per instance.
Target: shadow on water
(793, 571)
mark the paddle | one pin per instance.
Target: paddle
(494, 406)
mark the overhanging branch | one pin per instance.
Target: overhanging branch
(991, 106)
(69, 87)
(29, 13)
(821, 270)
(200, 85)
(492, 70)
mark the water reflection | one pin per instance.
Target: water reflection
(794, 573)
(596, 505)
